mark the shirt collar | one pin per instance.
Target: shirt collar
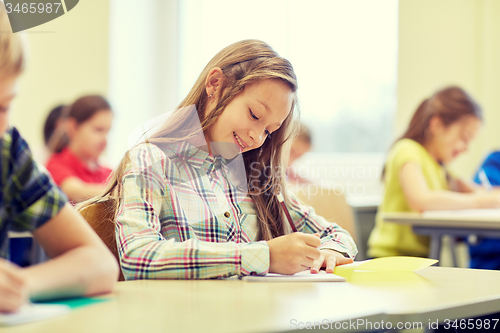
(197, 157)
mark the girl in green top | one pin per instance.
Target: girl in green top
(415, 175)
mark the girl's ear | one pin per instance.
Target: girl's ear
(436, 125)
(214, 81)
(71, 126)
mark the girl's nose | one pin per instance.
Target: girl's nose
(257, 137)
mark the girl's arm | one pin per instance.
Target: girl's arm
(81, 264)
(421, 198)
(77, 190)
(463, 186)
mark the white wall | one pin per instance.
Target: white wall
(143, 65)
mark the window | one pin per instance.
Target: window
(344, 54)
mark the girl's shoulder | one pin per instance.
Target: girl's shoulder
(407, 150)
(405, 144)
(145, 155)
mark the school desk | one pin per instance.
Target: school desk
(435, 293)
(455, 224)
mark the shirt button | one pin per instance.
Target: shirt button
(226, 214)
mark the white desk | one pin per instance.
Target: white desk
(435, 293)
(453, 225)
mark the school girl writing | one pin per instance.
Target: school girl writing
(182, 210)
(415, 174)
(75, 166)
(30, 201)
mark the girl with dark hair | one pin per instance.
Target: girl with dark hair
(415, 174)
(198, 199)
(74, 166)
(52, 123)
(53, 128)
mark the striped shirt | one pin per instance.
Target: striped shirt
(28, 196)
(183, 217)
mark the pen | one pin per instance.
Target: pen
(282, 202)
(484, 180)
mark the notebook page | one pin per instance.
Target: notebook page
(304, 276)
(33, 312)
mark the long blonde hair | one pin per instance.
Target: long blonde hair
(242, 63)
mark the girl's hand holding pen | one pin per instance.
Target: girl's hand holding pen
(489, 199)
(293, 253)
(13, 287)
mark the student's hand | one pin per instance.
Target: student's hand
(490, 199)
(329, 259)
(293, 253)
(13, 287)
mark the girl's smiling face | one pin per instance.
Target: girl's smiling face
(450, 141)
(252, 115)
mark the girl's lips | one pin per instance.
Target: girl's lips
(243, 143)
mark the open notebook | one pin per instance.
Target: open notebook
(304, 276)
(33, 312)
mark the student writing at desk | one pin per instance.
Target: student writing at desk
(30, 201)
(198, 199)
(415, 174)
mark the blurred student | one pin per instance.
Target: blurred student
(301, 145)
(485, 252)
(30, 201)
(75, 166)
(52, 130)
(415, 174)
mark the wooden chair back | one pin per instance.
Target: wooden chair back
(100, 216)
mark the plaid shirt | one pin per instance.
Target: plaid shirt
(28, 196)
(181, 218)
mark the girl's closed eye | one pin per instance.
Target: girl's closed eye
(253, 115)
(257, 118)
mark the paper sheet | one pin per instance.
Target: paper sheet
(304, 276)
(387, 264)
(33, 312)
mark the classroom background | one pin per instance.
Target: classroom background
(363, 67)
